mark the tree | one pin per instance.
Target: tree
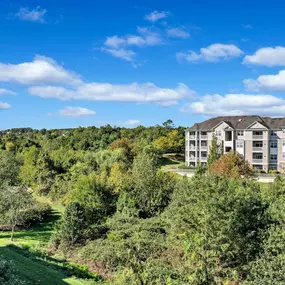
(172, 142)
(14, 201)
(215, 151)
(9, 168)
(168, 124)
(73, 224)
(231, 165)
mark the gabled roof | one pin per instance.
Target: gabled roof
(239, 122)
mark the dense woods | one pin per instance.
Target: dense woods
(133, 223)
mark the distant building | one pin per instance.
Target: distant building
(260, 140)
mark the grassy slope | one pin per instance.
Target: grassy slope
(32, 272)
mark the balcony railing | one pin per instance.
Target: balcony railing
(254, 161)
(191, 158)
(257, 148)
(203, 158)
(257, 137)
(204, 147)
(192, 137)
(204, 137)
(192, 147)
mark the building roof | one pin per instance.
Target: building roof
(240, 122)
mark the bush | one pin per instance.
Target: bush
(35, 214)
(273, 171)
(8, 274)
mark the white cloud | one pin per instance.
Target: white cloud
(177, 33)
(36, 15)
(41, 70)
(76, 112)
(237, 104)
(155, 16)
(127, 55)
(147, 37)
(212, 53)
(132, 122)
(140, 93)
(4, 105)
(247, 26)
(267, 56)
(6, 92)
(271, 82)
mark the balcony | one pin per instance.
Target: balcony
(204, 137)
(259, 149)
(192, 147)
(191, 158)
(192, 137)
(257, 137)
(204, 147)
(257, 161)
(204, 158)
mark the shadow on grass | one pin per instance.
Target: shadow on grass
(40, 232)
(38, 268)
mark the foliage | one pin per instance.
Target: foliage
(215, 151)
(14, 202)
(231, 165)
(8, 275)
(172, 142)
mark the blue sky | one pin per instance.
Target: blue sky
(65, 64)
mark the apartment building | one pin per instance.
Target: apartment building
(260, 140)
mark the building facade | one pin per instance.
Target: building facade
(259, 140)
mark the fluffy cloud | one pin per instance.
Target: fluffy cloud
(76, 112)
(237, 104)
(177, 33)
(4, 105)
(6, 92)
(133, 122)
(212, 53)
(127, 55)
(155, 16)
(271, 83)
(268, 56)
(36, 15)
(41, 70)
(146, 37)
(140, 93)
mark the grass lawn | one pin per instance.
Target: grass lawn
(31, 271)
(37, 273)
(169, 161)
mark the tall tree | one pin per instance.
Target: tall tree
(215, 151)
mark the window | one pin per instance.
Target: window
(273, 134)
(273, 144)
(257, 156)
(273, 156)
(283, 142)
(218, 133)
(240, 133)
(257, 144)
(273, 167)
(203, 133)
(258, 167)
(203, 143)
(192, 133)
(239, 144)
(283, 130)
(204, 154)
(257, 133)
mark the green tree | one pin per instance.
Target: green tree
(215, 151)
(14, 201)
(73, 224)
(9, 168)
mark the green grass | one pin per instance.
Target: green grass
(169, 161)
(37, 273)
(31, 271)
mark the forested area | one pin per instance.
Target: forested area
(133, 223)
